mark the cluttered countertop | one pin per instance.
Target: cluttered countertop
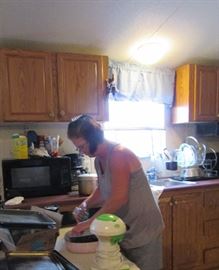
(69, 201)
(33, 239)
(81, 260)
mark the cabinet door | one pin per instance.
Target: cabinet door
(197, 94)
(1, 91)
(165, 205)
(27, 86)
(181, 112)
(206, 93)
(187, 231)
(81, 85)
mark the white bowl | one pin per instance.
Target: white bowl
(89, 247)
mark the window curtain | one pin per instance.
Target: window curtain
(136, 82)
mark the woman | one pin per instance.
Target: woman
(123, 190)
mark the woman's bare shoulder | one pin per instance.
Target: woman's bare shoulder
(121, 154)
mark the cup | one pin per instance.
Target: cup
(171, 165)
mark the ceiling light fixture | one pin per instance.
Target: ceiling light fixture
(151, 51)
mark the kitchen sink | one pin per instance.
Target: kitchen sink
(168, 182)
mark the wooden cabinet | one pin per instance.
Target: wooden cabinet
(182, 245)
(81, 85)
(165, 205)
(27, 86)
(197, 94)
(43, 86)
(1, 92)
(211, 229)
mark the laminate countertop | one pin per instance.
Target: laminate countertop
(170, 184)
(82, 261)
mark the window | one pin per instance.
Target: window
(137, 125)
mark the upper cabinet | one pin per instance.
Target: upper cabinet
(197, 94)
(81, 85)
(26, 83)
(43, 86)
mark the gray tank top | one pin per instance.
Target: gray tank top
(141, 214)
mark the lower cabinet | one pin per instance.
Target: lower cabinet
(191, 234)
(211, 229)
(183, 234)
(166, 210)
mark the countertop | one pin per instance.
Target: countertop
(193, 184)
(68, 202)
(82, 261)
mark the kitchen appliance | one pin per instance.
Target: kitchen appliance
(110, 231)
(87, 183)
(190, 156)
(77, 168)
(36, 177)
(204, 160)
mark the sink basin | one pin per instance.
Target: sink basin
(167, 182)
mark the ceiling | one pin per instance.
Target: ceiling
(112, 27)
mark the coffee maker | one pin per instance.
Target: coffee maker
(77, 168)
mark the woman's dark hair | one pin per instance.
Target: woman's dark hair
(88, 128)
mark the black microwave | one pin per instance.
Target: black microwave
(36, 177)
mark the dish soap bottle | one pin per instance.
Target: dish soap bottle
(19, 146)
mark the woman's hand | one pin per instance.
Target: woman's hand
(80, 227)
(80, 213)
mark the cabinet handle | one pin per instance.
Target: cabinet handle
(217, 115)
(171, 204)
(51, 115)
(62, 113)
(175, 202)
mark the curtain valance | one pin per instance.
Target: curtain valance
(138, 82)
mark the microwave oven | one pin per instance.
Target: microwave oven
(36, 177)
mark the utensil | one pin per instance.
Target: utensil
(171, 165)
(167, 154)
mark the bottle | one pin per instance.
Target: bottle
(19, 146)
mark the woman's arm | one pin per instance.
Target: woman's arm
(94, 200)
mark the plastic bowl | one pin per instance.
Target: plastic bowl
(78, 244)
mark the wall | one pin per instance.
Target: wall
(176, 135)
(52, 129)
